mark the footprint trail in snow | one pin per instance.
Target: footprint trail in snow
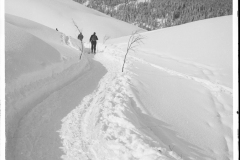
(104, 126)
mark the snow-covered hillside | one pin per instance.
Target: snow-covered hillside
(173, 100)
(40, 60)
(206, 45)
(61, 13)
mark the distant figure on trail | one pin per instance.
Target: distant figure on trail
(80, 36)
(56, 29)
(93, 40)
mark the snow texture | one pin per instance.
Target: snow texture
(173, 100)
(105, 125)
(147, 96)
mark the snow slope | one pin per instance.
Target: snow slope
(203, 45)
(173, 100)
(192, 69)
(61, 13)
(37, 47)
(38, 60)
(108, 123)
(173, 105)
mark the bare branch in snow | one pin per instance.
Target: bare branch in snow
(80, 31)
(134, 41)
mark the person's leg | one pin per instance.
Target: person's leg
(94, 47)
(91, 47)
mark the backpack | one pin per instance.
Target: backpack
(80, 36)
(94, 38)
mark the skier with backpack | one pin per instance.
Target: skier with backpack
(80, 36)
(93, 40)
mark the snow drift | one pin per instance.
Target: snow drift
(35, 66)
(29, 49)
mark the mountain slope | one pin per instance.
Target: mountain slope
(35, 66)
(41, 61)
(61, 13)
(206, 44)
(173, 100)
(183, 85)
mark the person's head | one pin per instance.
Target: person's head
(94, 33)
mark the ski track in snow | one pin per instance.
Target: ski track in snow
(104, 126)
(214, 87)
(211, 86)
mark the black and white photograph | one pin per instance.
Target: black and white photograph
(119, 80)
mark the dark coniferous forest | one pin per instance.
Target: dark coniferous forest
(155, 14)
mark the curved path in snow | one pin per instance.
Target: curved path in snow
(100, 128)
(99, 117)
(112, 122)
(36, 137)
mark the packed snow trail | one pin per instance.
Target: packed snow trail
(106, 124)
(36, 137)
(113, 123)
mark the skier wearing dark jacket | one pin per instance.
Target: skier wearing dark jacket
(93, 40)
(80, 36)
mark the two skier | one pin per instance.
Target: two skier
(93, 40)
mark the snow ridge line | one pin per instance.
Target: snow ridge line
(212, 86)
(104, 126)
(215, 87)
